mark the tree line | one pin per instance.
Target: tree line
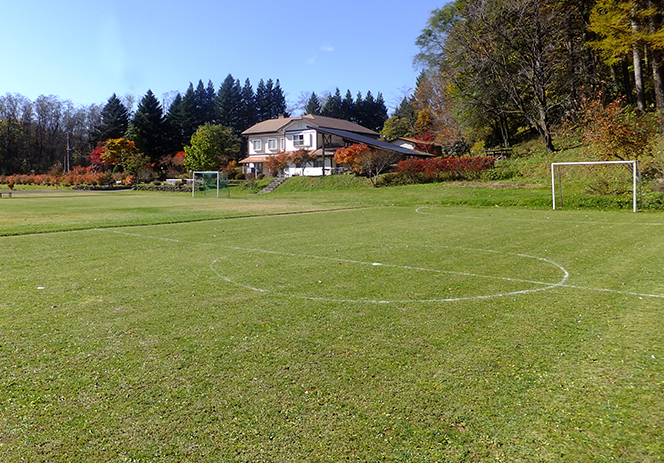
(366, 110)
(494, 68)
(47, 133)
(37, 135)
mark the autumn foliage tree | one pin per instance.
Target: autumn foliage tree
(95, 158)
(302, 157)
(277, 163)
(615, 130)
(123, 152)
(367, 161)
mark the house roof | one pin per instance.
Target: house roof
(255, 159)
(372, 142)
(281, 124)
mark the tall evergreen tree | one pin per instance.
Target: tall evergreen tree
(348, 107)
(407, 110)
(229, 105)
(204, 104)
(313, 105)
(176, 124)
(189, 114)
(248, 115)
(380, 112)
(270, 100)
(262, 101)
(208, 102)
(114, 120)
(332, 107)
(363, 108)
(148, 128)
(358, 108)
(277, 101)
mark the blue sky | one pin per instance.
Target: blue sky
(86, 50)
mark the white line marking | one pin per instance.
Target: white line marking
(546, 285)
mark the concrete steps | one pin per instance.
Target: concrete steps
(274, 184)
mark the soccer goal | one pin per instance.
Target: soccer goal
(206, 182)
(555, 169)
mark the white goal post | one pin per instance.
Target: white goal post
(635, 177)
(218, 179)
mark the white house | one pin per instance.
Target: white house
(319, 135)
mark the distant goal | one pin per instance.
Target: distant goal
(555, 172)
(209, 182)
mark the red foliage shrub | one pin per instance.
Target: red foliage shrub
(445, 168)
(78, 176)
(615, 130)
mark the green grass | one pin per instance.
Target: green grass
(157, 327)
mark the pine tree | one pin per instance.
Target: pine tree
(277, 101)
(358, 109)
(380, 112)
(148, 129)
(229, 105)
(332, 107)
(348, 107)
(208, 109)
(204, 103)
(407, 110)
(363, 108)
(175, 121)
(313, 105)
(248, 115)
(262, 101)
(114, 121)
(189, 118)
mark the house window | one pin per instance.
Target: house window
(258, 145)
(298, 140)
(272, 144)
(282, 142)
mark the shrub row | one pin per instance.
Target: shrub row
(435, 166)
(162, 187)
(438, 169)
(81, 176)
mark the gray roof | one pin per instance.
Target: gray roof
(374, 143)
(281, 124)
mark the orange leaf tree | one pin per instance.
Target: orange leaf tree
(124, 152)
(277, 163)
(302, 157)
(367, 161)
(116, 150)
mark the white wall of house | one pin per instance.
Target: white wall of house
(297, 136)
(314, 170)
(266, 144)
(293, 139)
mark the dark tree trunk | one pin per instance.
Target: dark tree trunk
(657, 62)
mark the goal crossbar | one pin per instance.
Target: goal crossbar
(635, 169)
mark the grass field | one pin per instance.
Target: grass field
(349, 325)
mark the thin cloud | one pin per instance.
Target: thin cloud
(328, 48)
(312, 60)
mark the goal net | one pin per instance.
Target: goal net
(208, 183)
(628, 182)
